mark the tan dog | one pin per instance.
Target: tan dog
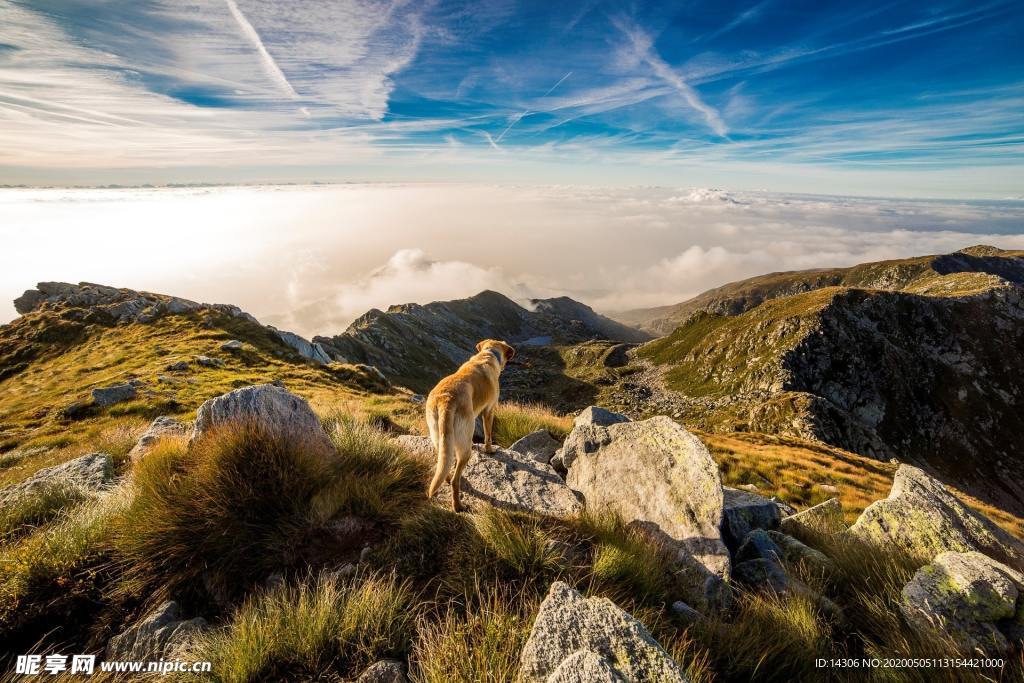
(452, 408)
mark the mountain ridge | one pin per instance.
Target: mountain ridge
(737, 297)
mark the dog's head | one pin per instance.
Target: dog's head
(505, 351)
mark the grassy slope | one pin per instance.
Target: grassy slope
(801, 473)
(31, 401)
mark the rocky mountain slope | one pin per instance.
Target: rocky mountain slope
(931, 373)
(919, 274)
(180, 482)
(415, 344)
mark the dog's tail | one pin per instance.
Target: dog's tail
(445, 447)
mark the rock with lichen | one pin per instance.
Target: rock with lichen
(969, 598)
(922, 519)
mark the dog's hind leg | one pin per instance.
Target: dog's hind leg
(463, 456)
(443, 419)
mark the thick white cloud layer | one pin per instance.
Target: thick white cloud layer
(312, 259)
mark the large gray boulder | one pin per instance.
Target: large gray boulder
(163, 426)
(743, 511)
(823, 518)
(578, 640)
(538, 445)
(86, 474)
(108, 396)
(585, 431)
(158, 635)
(922, 519)
(659, 476)
(969, 597)
(269, 406)
(505, 479)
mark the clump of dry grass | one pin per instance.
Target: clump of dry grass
(244, 502)
(514, 420)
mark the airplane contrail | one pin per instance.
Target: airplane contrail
(517, 119)
(269, 64)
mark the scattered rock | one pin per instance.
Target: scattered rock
(762, 573)
(158, 429)
(538, 445)
(179, 366)
(687, 613)
(824, 518)
(157, 636)
(233, 345)
(576, 639)
(659, 476)
(268, 405)
(384, 671)
(828, 488)
(76, 410)
(88, 473)
(795, 552)
(208, 362)
(922, 519)
(507, 480)
(969, 597)
(742, 512)
(758, 545)
(108, 396)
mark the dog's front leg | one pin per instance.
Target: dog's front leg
(488, 429)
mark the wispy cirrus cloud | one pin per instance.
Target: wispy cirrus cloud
(641, 45)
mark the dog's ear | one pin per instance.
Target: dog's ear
(480, 346)
(510, 352)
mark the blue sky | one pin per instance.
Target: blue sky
(890, 98)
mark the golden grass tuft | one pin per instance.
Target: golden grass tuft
(317, 625)
(514, 420)
(478, 642)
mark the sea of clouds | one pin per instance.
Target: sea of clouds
(313, 258)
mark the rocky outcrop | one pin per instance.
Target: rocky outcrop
(505, 479)
(310, 350)
(586, 433)
(158, 635)
(118, 393)
(121, 305)
(163, 426)
(743, 511)
(922, 519)
(576, 640)
(968, 597)
(416, 345)
(657, 475)
(826, 517)
(269, 406)
(538, 445)
(920, 363)
(86, 474)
